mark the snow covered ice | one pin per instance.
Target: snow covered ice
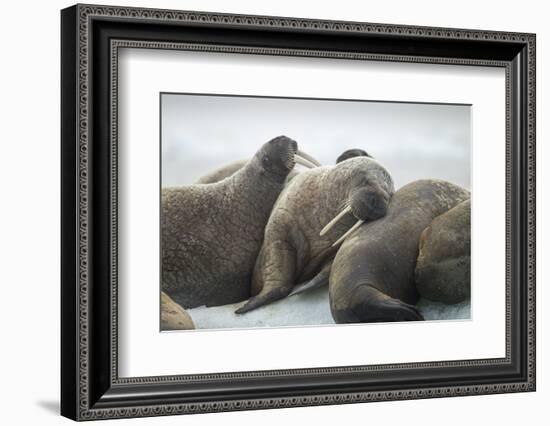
(306, 309)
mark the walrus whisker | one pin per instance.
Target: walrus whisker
(290, 163)
(304, 162)
(348, 233)
(333, 222)
(344, 204)
(308, 157)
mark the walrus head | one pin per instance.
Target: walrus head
(371, 190)
(352, 153)
(279, 156)
(370, 194)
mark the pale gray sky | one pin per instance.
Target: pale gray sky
(413, 141)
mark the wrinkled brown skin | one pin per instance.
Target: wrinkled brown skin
(173, 316)
(211, 234)
(372, 276)
(293, 251)
(443, 266)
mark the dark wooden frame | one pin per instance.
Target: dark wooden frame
(90, 386)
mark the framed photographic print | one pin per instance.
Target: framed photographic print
(263, 212)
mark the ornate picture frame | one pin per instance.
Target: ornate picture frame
(90, 384)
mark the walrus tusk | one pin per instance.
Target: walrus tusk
(329, 225)
(349, 232)
(308, 157)
(304, 162)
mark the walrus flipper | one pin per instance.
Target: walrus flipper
(262, 299)
(278, 263)
(319, 280)
(374, 306)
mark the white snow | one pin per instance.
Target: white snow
(309, 308)
(440, 311)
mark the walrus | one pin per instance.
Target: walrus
(372, 275)
(442, 271)
(359, 189)
(352, 153)
(211, 234)
(173, 316)
(228, 169)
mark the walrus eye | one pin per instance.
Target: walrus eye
(265, 160)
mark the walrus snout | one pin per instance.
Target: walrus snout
(280, 155)
(370, 203)
(366, 204)
(282, 145)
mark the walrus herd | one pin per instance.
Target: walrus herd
(257, 230)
